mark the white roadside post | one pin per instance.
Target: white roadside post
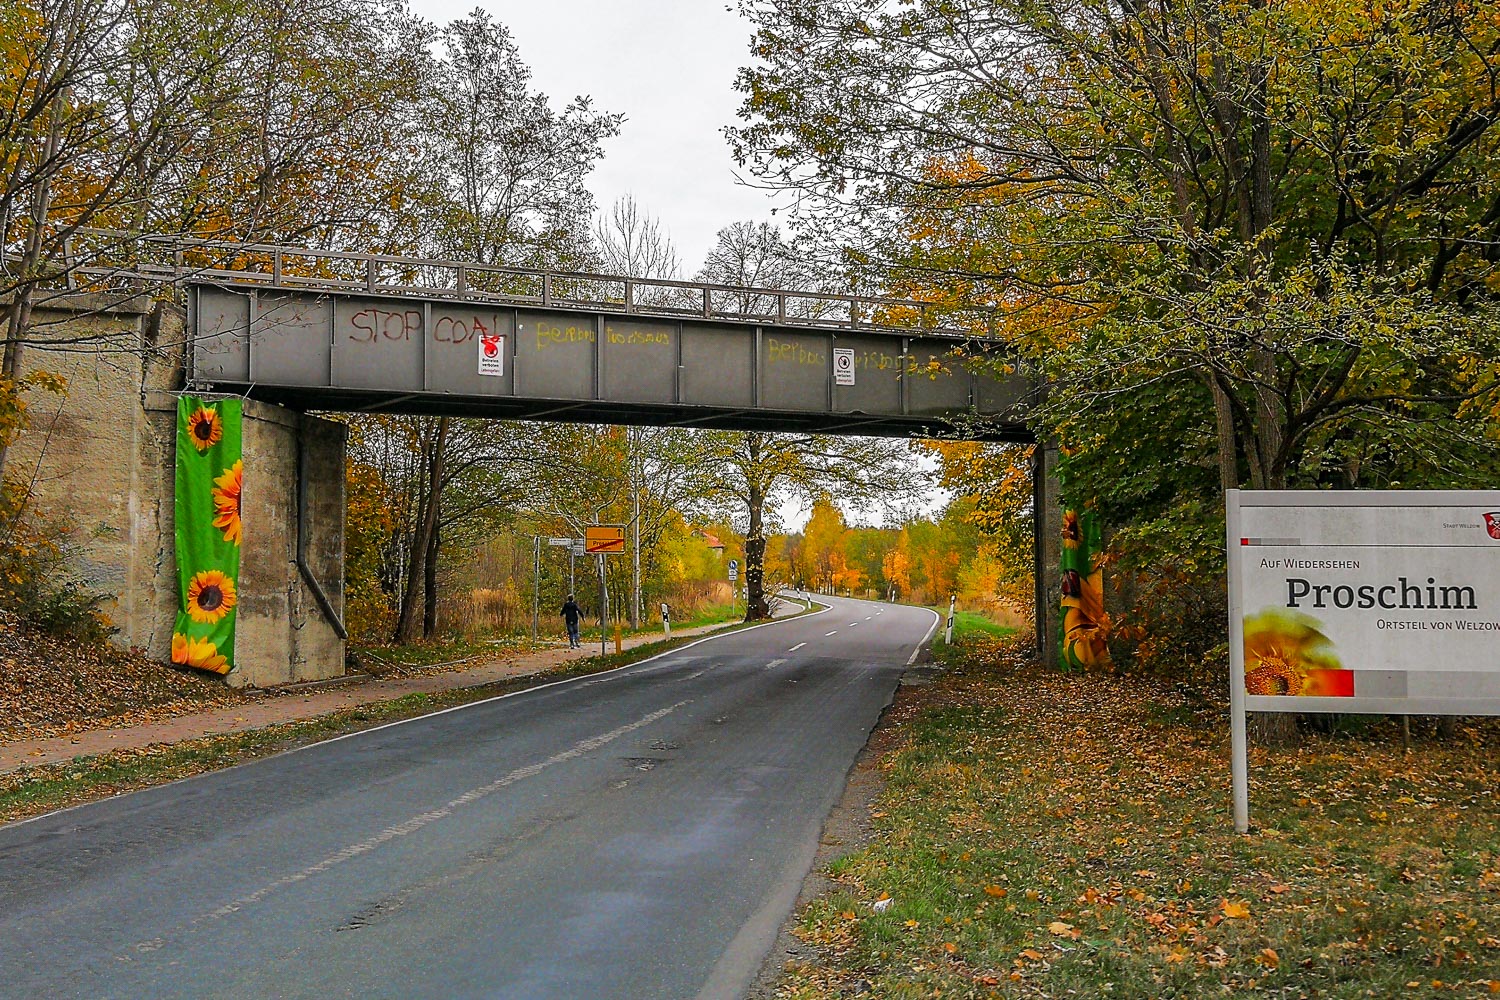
(666, 620)
(948, 632)
(1239, 764)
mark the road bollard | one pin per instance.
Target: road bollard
(619, 639)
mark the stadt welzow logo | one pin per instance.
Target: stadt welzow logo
(1492, 524)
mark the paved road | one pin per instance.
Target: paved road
(638, 834)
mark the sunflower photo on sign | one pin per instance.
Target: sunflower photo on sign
(210, 468)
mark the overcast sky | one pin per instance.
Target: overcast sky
(668, 66)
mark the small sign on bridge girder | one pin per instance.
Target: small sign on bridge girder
(491, 354)
(843, 366)
(604, 538)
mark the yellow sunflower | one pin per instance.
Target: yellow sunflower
(226, 493)
(210, 596)
(200, 654)
(1086, 625)
(204, 428)
(1286, 653)
(1072, 533)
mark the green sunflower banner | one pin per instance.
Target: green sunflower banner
(209, 470)
(1086, 625)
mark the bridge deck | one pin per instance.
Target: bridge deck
(407, 353)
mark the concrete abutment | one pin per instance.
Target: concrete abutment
(101, 462)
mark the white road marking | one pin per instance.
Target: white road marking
(775, 663)
(852, 624)
(834, 632)
(421, 820)
(867, 617)
(797, 647)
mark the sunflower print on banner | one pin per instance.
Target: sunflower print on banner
(1086, 625)
(209, 472)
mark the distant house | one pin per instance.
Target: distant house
(711, 540)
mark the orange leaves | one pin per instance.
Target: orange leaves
(1065, 930)
(999, 892)
(1235, 911)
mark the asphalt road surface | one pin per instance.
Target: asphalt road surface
(639, 834)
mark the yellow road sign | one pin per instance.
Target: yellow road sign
(604, 538)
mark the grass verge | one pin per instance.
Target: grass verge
(30, 791)
(1049, 835)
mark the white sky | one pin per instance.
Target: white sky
(668, 66)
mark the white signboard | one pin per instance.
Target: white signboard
(843, 366)
(1382, 602)
(491, 353)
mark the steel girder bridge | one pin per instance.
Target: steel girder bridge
(320, 330)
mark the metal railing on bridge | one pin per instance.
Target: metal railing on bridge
(122, 261)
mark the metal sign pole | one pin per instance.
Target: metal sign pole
(536, 585)
(603, 609)
(1239, 763)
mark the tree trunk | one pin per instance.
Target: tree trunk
(430, 581)
(755, 559)
(416, 573)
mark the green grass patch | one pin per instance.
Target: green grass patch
(1052, 835)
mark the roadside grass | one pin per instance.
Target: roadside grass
(1051, 835)
(30, 791)
(379, 658)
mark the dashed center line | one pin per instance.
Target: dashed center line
(867, 617)
(852, 624)
(797, 647)
(775, 663)
(834, 632)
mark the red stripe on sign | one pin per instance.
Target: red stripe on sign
(1244, 541)
(1329, 683)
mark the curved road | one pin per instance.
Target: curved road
(638, 834)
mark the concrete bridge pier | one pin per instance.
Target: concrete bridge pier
(1047, 548)
(101, 460)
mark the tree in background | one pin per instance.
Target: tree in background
(510, 170)
(1244, 243)
(756, 468)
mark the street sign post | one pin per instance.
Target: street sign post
(734, 570)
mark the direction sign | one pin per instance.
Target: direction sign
(604, 538)
(734, 570)
(560, 542)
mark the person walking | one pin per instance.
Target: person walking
(571, 615)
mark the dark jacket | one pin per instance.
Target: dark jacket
(570, 612)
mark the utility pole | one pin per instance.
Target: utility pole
(536, 585)
(635, 496)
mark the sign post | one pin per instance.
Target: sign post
(1383, 602)
(666, 620)
(948, 632)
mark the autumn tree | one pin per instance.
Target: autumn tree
(1245, 244)
(756, 468)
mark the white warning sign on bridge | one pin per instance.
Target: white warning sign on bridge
(843, 366)
(491, 353)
